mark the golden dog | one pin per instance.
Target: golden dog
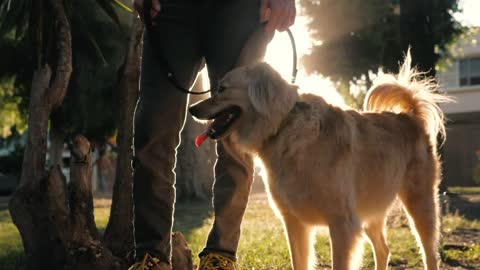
(334, 167)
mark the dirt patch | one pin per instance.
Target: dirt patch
(460, 246)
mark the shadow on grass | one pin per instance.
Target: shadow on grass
(12, 259)
(4, 202)
(191, 215)
(467, 205)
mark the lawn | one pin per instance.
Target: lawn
(263, 245)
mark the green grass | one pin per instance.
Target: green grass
(11, 248)
(263, 245)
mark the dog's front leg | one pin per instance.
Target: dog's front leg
(345, 235)
(300, 243)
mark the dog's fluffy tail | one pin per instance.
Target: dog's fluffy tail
(409, 93)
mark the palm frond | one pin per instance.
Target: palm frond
(122, 5)
(98, 51)
(83, 37)
(13, 16)
(109, 9)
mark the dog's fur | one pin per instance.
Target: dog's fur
(341, 168)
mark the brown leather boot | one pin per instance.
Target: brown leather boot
(214, 261)
(150, 263)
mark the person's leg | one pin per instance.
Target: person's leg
(159, 117)
(229, 26)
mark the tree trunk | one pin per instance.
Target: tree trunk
(33, 166)
(119, 233)
(57, 139)
(40, 237)
(57, 225)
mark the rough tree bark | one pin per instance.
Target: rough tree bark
(46, 94)
(57, 139)
(38, 236)
(56, 221)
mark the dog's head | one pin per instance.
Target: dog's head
(249, 104)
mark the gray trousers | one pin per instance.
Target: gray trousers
(191, 32)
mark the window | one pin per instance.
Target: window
(469, 71)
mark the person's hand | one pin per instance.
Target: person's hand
(138, 6)
(279, 14)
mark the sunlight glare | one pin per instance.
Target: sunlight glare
(469, 15)
(280, 54)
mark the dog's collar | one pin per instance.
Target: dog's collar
(298, 107)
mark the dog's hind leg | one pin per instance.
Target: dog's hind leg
(375, 231)
(422, 207)
(300, 243)
(345, 235)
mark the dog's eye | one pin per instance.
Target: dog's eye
(220, 89)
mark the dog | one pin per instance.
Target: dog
(335, 167)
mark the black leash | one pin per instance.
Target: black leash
(294, 54)
(147, 6)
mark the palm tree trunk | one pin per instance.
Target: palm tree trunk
(57, 139)
(41, 190)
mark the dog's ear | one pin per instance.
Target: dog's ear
(260, 89)
(268, 91)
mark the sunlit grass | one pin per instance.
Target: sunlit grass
(263, 245)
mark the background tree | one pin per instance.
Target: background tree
(98, 48)
(91, 104)
(50, 220)
(99, 43)
(356, 38)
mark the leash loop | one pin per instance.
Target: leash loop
(147, 6)
(294, 54)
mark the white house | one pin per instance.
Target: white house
(461, 80)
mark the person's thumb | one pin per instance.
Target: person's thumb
(264, 11)
(156, 5)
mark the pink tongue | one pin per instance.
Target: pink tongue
(200, 139)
